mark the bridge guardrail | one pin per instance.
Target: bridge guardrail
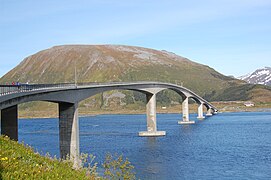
(10, 89)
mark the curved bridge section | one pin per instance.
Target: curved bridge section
(69, 95)
(16, 94)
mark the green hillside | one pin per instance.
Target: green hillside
(108, 63)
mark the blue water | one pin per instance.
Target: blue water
(225, 146)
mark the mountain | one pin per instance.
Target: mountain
(104, 63)
(108, 63)
(260, 76)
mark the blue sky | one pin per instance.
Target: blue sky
(231, 36)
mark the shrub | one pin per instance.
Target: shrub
(115, 167)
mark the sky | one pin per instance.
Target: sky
(231, 36)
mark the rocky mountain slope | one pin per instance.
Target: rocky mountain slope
(259, 76)
(108, 63)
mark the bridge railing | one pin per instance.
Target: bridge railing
(10, 89)
(7, 89)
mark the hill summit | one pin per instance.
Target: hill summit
(108, 63)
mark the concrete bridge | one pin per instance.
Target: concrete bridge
(69, 95)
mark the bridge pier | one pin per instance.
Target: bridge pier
(151, 118)
(200, 112)
(209, 112)
(69, 132)
(185, 107)
(9, 122)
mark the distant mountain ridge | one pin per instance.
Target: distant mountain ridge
(108, 63)
(259, 76)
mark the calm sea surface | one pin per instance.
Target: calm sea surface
(225, 146)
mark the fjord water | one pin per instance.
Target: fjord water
(224, 146)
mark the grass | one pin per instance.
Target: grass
(18, 161)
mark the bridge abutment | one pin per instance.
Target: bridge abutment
(200, 112)
(9, 122)
(151, 118)
(185, 107)
(69, 132)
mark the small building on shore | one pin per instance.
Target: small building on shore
(249, 104)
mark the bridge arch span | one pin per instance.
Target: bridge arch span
(69, 95)
(76, 94)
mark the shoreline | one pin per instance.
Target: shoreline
(98, 114)
(174, 109)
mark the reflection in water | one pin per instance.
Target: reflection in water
(151, 142)
(187, 128)
(150, 157)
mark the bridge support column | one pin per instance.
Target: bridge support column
(151, 118)
(209, 112)
(185, 106)
(9, 122)
(69, 132)
(200, 112)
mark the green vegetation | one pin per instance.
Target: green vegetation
(244, 93)
(18, 161)
(117, 168)
(21, 162)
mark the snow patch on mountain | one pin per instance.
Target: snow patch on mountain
(260, 76)
(245, 76)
